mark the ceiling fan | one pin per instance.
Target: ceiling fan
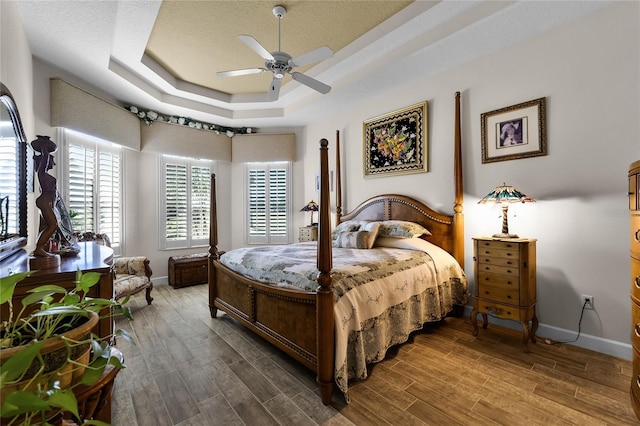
(281, 63)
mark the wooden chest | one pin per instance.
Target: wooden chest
(188, 270)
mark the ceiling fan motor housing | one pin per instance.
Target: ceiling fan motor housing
(280, 65)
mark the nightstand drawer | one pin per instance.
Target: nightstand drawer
(635, 278)
(500, 294)
(498, 310)
(308, 233)
(504, 270)
(635, 325)
(498, 261)
(635, 233)
(498, 244)
(497, 280)
(503, 253)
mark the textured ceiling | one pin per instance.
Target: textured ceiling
(192, 43)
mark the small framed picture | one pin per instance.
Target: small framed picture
(396, 143)
(514, 132)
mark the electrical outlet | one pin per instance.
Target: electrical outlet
(587, 302)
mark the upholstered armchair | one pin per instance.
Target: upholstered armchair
(131, 274)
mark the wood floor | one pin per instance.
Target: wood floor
(189, 369)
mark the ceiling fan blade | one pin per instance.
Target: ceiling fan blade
(257, 47)
(274, 89)
(245, 71)
(311, 82)
(317, 55)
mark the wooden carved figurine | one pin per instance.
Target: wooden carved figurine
(46, 201)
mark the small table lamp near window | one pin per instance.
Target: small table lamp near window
(505, 195)
(311, 206)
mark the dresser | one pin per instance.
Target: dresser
(634, 207)
(505, 273)
(92, 258)
(308, 233)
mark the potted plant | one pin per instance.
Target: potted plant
(47, 348)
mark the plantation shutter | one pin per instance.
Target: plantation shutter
(268, 205)
(278, 203)
(8, 187)
(176, 208)
(94, 186)
(200, 204)
(109, 196)
(81, 186)
(186, 205)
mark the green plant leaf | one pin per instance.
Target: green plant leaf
(58, 310)
(37, 297)
(8, 285)
(20, 402)
(15, 366)
(93, 372)
(65, 400)
(87, 280)
(125, 334)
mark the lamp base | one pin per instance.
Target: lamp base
(505, 236)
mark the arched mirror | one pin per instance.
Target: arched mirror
(13, 176)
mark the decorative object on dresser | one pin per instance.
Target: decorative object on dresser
(634, 207)
(396, 143)
(505, 195)
(308, 233)
(517, 131)
(311, 206)
(505, 272)
(188, 270)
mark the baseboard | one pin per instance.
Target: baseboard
(160, 280)
(587, 341)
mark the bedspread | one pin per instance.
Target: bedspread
(381, 295)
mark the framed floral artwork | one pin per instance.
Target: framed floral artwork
(514, 132)
(396, 143)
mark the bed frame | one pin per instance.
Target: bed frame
(302, 323)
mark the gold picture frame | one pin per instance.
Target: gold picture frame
(396, 143)
(514, 132)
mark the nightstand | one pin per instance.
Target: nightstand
(308, 233)
(505, 273)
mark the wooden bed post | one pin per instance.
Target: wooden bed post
(338, 180)
(213, 246)
(458, 217)
(324, 295)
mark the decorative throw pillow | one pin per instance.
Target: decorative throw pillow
(347, 226)
(372, 228)
(401, 229)
(357, 240)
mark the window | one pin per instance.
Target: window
(8, 187)
(94, 186)
(186, 202)
(268, 209)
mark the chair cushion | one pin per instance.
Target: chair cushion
(124, 283)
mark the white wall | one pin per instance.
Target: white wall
(588, 71)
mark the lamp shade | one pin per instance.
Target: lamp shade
(311, 206)
(505, 195)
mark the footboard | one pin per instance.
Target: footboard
(284, 317)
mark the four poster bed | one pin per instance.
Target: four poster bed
(330, 304)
